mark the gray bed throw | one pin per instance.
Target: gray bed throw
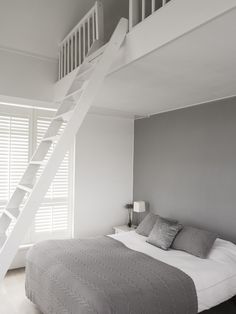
(103, 276)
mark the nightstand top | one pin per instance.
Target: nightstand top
(124, 228)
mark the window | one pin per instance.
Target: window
(20, 132)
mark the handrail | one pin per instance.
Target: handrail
(141, 9)
(76, 45)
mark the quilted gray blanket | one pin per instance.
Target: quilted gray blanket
(103, 276)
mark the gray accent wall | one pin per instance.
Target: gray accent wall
(185, 165)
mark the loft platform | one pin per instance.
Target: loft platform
(153, 71)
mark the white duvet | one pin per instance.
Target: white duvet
(214, 277)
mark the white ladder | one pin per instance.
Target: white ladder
(84, 88)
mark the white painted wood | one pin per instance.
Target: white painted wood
(100, 22)
(30, 174)
(50, 138)
(59, 72)
(13, 211)
(77, 43)
(83, 104)
(41, 151)
(153, 6)
(15, 200)
(123, 228)
(36, 162)
(64, 59)
(76, 48)
(84, 44)
(89, 37)
(133, 13)
(71, 53)
(26, 188)
(143, 9)
(3, 238)
(5, 221)
(68, 56)
(94, 26)
(53, 128)
(64, 116)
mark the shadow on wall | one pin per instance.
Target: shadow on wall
(113, 11)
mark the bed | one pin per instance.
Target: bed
(122, 273)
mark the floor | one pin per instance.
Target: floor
(12, 295)
(13, 300)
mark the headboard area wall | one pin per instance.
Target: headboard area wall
(185, 165)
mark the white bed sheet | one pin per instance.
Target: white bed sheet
(214, 277)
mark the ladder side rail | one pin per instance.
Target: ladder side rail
(88, 96)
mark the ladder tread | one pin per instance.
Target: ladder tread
(12, 212)
(25, 187)
(64, 116)
(77, 91)
(36, 162)
(84, 73)
(3, 238)
(50, 138)
(5, 221)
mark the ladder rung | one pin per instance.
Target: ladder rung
(84, 73)
(75, 92)
(64, 116)
(27, 188)
(5, 221)
(12, 212)
(37, 162)
(3, 238)
(50, 139)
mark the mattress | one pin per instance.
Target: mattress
(214, 277)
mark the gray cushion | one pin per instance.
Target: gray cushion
(195, 241)
(146, 225)
(163, 233)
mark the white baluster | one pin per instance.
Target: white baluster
(100, 22)
(64, 58)
(143, 9)
(133, 13)
(72, 53)
(83, 42)
(59, 71)
(153, 6)
(89, 37)
(80, 45)
(76, 48)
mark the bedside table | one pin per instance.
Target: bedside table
(124, 228)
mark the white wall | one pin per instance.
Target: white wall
(26, 76)
(104, 174)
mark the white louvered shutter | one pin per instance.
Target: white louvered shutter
(20, 132)
(14, 153)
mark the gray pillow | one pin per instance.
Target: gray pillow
(163, 233)
(194, 241)
(146, 225)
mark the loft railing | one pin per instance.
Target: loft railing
(141, 9)
(77, 44)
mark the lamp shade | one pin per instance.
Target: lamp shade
(139, 207)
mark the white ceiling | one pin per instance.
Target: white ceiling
(199, 67)
(38, 26)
